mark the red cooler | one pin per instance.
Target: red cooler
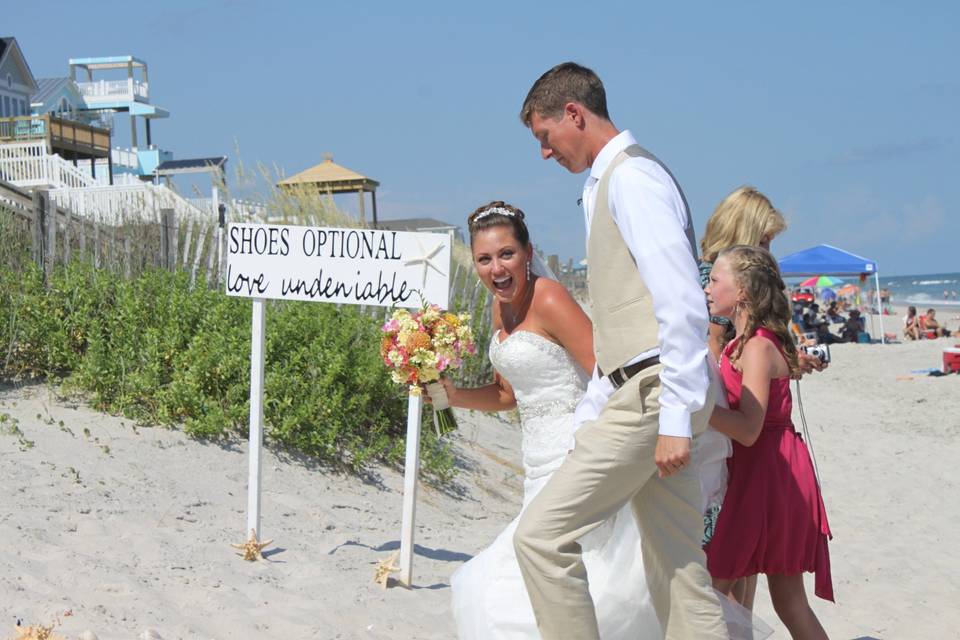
(951, 359)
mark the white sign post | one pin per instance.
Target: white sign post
(256, 415)
(411, 468)
(347, 266)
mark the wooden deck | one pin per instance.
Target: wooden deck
(66, 137)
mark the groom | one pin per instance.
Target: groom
(650, 327)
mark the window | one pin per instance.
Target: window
(6, 106)
(9, 81)
(23, 108)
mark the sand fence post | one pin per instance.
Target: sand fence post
(411, 469)
(256, 415)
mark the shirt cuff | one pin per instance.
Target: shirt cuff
(675, 421)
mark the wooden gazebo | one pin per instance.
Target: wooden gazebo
(329, 177)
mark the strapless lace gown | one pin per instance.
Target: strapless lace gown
(490, 601)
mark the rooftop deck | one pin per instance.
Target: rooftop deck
(112, 91)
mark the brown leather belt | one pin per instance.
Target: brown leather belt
(619, 376)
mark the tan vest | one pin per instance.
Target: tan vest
(621, 307)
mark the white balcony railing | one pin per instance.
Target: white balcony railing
(111, 90)
(125, 158)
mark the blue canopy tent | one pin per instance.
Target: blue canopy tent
(824, 259)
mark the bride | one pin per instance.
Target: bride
(542, 349)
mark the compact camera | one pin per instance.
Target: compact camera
(821, 351)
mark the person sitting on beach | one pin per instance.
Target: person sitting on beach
(911, 324)
(930, 327)
(813, 323)
(811, 319)
(833, 313)
(824, 336)
(797, 316)
(852, 328)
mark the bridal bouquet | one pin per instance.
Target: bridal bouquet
(419, 346)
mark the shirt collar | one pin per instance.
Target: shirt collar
(610, 150)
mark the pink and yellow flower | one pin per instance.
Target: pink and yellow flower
(418, 346)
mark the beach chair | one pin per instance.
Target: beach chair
(801, 336)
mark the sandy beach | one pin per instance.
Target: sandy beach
(118, 528)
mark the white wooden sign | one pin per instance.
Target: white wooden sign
(347, 266)
(350, 266)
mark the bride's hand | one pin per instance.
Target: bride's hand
(448, 386)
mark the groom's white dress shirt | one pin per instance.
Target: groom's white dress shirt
(653, 219)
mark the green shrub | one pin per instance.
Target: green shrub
(159, 351)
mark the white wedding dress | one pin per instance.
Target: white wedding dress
(490, 601)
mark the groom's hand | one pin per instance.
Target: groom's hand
(672, 455)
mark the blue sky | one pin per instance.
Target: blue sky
(844, 113)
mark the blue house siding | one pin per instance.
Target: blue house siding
(16, 80)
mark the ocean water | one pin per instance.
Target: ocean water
(941, 290)
(928, 290)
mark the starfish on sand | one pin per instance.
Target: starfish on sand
(252, 549)
(385, 568)
(38, 632)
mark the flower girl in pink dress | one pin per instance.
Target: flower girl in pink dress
(773, 520)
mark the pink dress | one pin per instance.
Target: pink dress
(773, 520)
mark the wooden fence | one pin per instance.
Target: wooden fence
(56, 235)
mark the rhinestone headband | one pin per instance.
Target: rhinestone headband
(492, 210)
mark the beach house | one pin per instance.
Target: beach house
(16, 80)
(59, 134)
(45, 133)
(113, 86)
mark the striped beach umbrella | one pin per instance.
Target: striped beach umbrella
(821, 281)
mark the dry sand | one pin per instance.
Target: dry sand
(129, 528)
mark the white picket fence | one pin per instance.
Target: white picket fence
(27, 164)
(113, 205)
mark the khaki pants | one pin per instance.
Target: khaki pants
(611, 465)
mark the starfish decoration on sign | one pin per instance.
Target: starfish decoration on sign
(252, 549)
(385, 568)
(426, 259)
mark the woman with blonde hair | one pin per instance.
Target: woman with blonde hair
(745, 217)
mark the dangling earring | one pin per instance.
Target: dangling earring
(528, 270)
